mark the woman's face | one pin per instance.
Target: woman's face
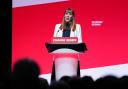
(68, 16)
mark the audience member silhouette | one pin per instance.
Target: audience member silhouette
(25, 75)
(107, 82)
(59, 85)
(87, 82)
(75, 82)
(65, 79)
(124, 82)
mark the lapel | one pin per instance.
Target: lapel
(72, 34)
(60, 33)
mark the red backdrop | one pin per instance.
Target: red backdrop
(107, 44)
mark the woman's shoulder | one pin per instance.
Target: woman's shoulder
(77, 24)
(57, 25)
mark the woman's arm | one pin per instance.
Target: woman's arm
(79, 34)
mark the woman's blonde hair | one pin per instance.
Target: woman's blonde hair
(72, 22)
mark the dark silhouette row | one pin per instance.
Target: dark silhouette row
(25, 76)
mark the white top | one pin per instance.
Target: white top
(77, 33)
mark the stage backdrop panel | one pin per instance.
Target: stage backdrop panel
(107, 42)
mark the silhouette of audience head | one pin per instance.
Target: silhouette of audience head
(65, 79)
(59, 85)
(26, 67)
(75, 82)
(25, 75)
(87, 82)
(26, 71)
(124, 82)
(107, 82)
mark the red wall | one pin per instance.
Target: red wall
(107, 44)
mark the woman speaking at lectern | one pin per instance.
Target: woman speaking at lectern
(66, 60)
(68, 27)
